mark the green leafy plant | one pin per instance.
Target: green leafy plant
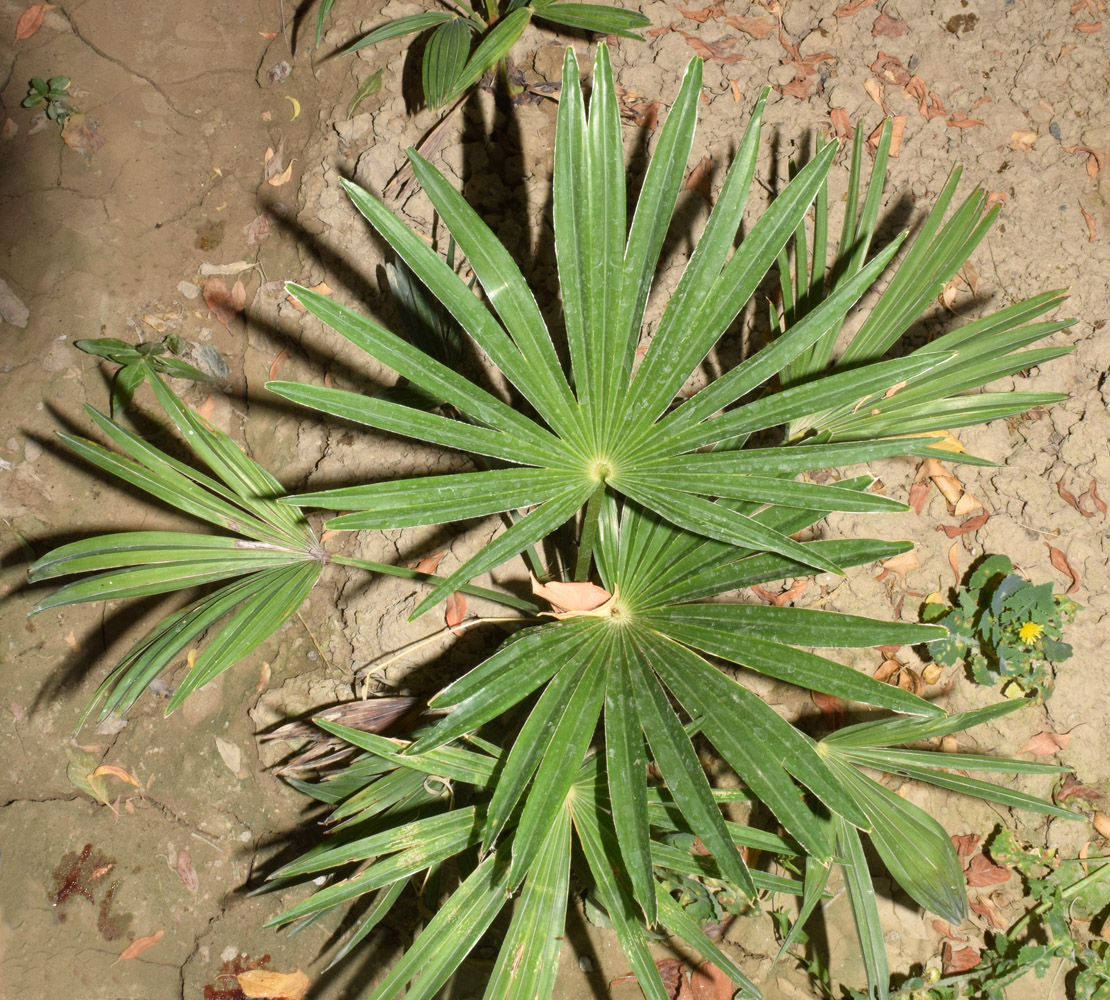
(676, 501)
(1004, 628)
(1065, 894)
(467, 42)
(54, 94)
(136, 360)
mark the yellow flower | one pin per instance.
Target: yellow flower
(1029, 631)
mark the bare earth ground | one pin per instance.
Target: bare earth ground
(109, 234)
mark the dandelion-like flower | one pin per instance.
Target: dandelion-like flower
(1029, 631)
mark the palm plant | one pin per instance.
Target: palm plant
(677, 510)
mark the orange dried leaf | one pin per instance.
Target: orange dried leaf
(800, 87)
(262, 984)
(1092, 492)
(841, 123)
(889, 69)
(186, 872)
(429, 564)
(1045, 744)
(965, 505)
(276, 363)
(1101, 823)
(854, 7)
(719, 50)
(564, 597)
(956, 962)
(456, 611)
(116, 772)
(965, 844)
(971, 524)
(960, 120)
(1088, 27)
(221, 300)
(919, 493)
(138, 946)
(954, 559)
(1060, 561)
(986, 908)
(981, 871)
(1092, 231)
(757, 27)
(737, 93)
(886, 26)
(903, 563)
(994, 198)
(1096, 158)
(897, 130)
(699, 178)
(875, 91)
(1023, 139)
(710, 982)
(701, 16)
(31, 20)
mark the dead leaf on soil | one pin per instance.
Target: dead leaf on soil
(429, 564)
(919, 493)
(1045, 744)
(1092, 230)
(262, 984)
(79, 133)
(718, 50)
(1071, 788)
(710, 982)
(875, 91)
(1023, 139)
(1069, 498)
(1096, 158)
(456, 611)
(138, 946)
(225, 303)
(886, 26)
(230, 754)
(890, 69)
(831, 707)
(186, 872)
(1088, 27)
(954, 559)
(971, 524)
(982, 871)
(9, 130)
(800, 87)
(1101, 823)
(258, 230)
(897, 130)
(111, 770)
(960, 120)
(854, 7)
(31, 20)
(988, 910)
(965, 844)
(1092, 492)
(572, 598)
(700, 179)
(1060, 561)
(841, 123)
(956, 962)
(903, 563)
(994, 198)
(758, 27)
(704, 14)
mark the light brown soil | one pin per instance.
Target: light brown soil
(111, 242)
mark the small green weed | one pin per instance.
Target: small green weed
(1004, 628)
(54, 94)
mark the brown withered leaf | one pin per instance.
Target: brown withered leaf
(965, 844)
(1088, 27)
(800, 87)
(971, 524)
(1045, 744)
(919, 493)
(720, 50)
(994, 198)
(138, 946)
(429, 564)
(258, 230)
(456, 611)
(886, 26)
(1060, 561)
(854, 7)
(960, 120)
(831, 707)
(186, 872)
(954, 559)
(704, 14)
(903, 563)
(897, 130)
(981, 871)
(1101, 822)
(710, 982)
(700, 178)
(111, 770)
(1096, 158)
(31, 20)
(841, 123)
(1092, 229)
(1023, 139)
(262, 984)
(956, 962)
(1071, 788)
(1069, 498)
(563, 597)
(80, 134)
(1092, 492)
(988, 910)
(758, 27)
(889, 69)
(225, 303)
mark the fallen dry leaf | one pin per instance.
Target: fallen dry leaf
(31, 20)
(206, 409)
(890, 69)
(710, 982)
(960, 120)
(719, 50)
(1092, 231)
(903, 563)
(971, 524)
(1092, 492)
(981, 871)
(429, 564)
(854, 7)
(1068, 497)
(965, 844)
(875, 91)
(994, 198)
(758, 27)
(931, 673)
(264, 674)
(456, 611)
(186, 872)
(80, 134)
(1023, 139)
(224, 303)
(1045, 744)
(1101, 822)
(704, 14)
(1060, 561)
(897, 130)
(1088, 27)
(571, 597)
(699, 178)
(138, 946)
(1096, 158)
(800, 87)
(841, 123)
(1071, 788)
(886, 26)
(831, 707)
(954, 559)
(965, 505)
(956, 962)
(230, 754)
(919, 493)
(9, 129)
(258, 230)
(988, 910)
(950, 487)
(116, 772)
(276, 363)
(262, 984)
(734, 85)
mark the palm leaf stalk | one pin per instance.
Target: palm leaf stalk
(265, 558)
(680, 510)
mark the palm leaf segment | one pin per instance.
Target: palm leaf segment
(269, 554)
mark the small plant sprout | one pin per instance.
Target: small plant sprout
(1004, 628)
(54, 94)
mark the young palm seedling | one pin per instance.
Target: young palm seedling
(672, 509)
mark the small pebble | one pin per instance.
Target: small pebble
(585, 964)
(1054, 131)
(32, 451)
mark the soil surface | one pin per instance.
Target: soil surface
(113, 228)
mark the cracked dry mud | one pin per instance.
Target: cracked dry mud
(112, 243)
